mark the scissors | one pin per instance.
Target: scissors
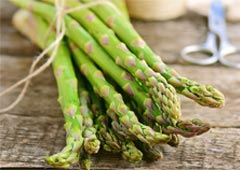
(217, 27)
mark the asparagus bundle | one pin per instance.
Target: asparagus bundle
(152, 111)
(124, 100)
(67, 88)
(203, 94)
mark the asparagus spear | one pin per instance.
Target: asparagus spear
(162, 93)
(85, 161)
(112, 142)
(66, 82)
(156, 126)
(127, 148)
(91, 142)
(203, 94)
(108, 138)
(114, 101)
(174, 140)
(151, 153)
(186, 128)
(122, 7)
(130, 152)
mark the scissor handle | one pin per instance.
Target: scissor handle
(226, 50)
(187, 51)
(209, 48)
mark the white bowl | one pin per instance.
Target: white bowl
(156, 9)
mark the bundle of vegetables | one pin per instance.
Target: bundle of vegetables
(115, 93)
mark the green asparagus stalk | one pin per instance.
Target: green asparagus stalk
(118, 110)
(174, 140)
(186, 128)
(85, 161)
(203, 94)
(162, 93)
(107, 137)
(130, 152)
(67, 87)
(91, 142)
(112, 142)
(121, 6)
(127, 148)
(156, 126)
(153, 153)
(150, 153)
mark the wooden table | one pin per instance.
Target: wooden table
(34, 128)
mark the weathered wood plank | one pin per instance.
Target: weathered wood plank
(41, 98)
(6, 10)
(44, 93)
(13, 43)
(26, 140)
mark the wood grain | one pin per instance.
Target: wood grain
(26, 140)
(34, 128)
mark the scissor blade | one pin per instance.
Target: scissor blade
(216, 19)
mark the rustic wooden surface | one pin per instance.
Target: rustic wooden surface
(34, 128)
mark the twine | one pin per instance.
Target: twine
(60, 32)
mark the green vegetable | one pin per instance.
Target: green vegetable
(67, 87)
(85, 161)
(160, 90)
(74, 32)
(151, 153)
(130, 152)
(107, 137)
(112, 142)
(121, 6)
(117, 109)
(203, 94)
(91, 142)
